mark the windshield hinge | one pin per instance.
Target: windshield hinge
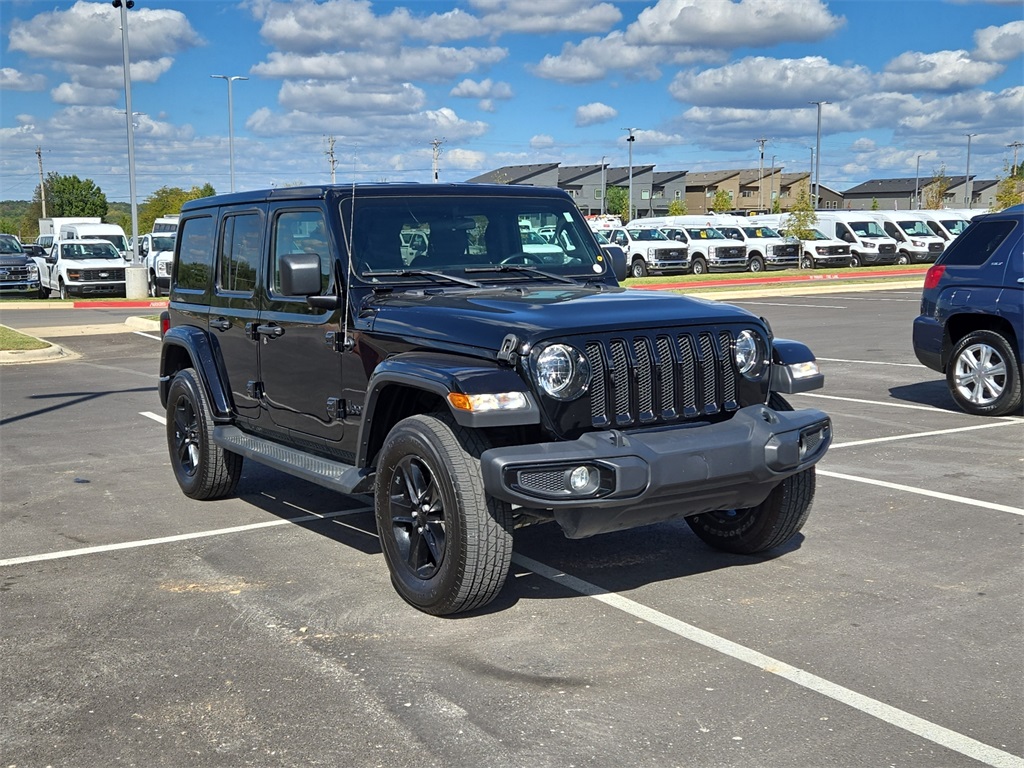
(509, 350)
(338, 342)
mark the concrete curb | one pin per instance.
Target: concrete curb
(48, 354)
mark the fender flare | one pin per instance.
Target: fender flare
(197, 344)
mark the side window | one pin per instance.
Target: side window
(195, 254)
(301, 232)
(977, 243)
(239, 253)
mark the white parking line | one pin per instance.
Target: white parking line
(781, 304)
(154, 416)
(923, 492)
(931, 408)
(937, 734)
(868, 362)
(915, 435)
(180, 537)
(148, 335)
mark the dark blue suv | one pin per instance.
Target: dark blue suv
(972, 312)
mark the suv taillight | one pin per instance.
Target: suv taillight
(933, 275)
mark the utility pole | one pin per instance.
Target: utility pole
(42, 185)
(771, 187)
(917, 184)
(331, 159)
(604, 183)
(817, 156)
(760, 174)
(436, 144)
(1015, 146)
(968, 191)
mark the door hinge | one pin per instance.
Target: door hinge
(335, 408)
(338, 341)
(254, 389)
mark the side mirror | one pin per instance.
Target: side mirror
(300, 274)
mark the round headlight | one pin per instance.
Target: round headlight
(561, 371)
(751, 354)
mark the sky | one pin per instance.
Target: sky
(366, 90)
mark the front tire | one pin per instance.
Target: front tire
(638, 268)
(903, 258)
(63, 289)
(768, 525)
(756, 264)
(699, 267)
(807, 263)
(983, 375)
(855, 260)
(203, 469)
(447, 544)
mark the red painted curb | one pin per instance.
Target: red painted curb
(147, 304)
(823, 276)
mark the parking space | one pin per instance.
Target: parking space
(144, 628)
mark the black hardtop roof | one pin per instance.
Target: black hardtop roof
(389, 189)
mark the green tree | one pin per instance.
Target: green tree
(722, 201)
(9, 227)
(616, 202)
(168, 201)
(72, 196)
(874, 204)
(677, 208)
(801, 219)
(1010, 190)
(935, 189)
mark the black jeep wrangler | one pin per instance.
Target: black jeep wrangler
(474, 383)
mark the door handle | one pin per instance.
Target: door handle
(271, 330)
(220, 323)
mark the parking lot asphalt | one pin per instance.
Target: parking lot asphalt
(138, 627)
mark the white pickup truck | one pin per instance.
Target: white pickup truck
(81, 268)
(157, 253)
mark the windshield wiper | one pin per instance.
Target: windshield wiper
(523, 268)
(421, 273)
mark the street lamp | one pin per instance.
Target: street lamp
(129, 115)
(817, 151)
(231, 125)
(771, 187)
(630, 140)
(968, 191)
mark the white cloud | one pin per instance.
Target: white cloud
(729, 24)
(78, 94)
(541, 17)
(542, 141)
(999, 43)
(485, 89)
(763, 82)
(90, 33)
(595, 57)
(408, 64)
(940, 71)
(13, 80)
(594, 114)
(333, 98)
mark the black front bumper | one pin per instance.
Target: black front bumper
(645, 477)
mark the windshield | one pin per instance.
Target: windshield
(10, 244)
(761, 232)
(163, 243)
(819, 235)
(101, 249)
(955, 226)
(867, 229)
(647, 234)
(916, 227)
(455, 233)
(704, 233)
(115, 240)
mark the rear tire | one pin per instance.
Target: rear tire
(983, 375)
(203, 469)
(768, 525)
(447, 544)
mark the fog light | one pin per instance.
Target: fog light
(580, 479)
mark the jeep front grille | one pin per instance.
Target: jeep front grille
(658, 378)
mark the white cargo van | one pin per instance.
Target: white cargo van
(945, 224)
(112, 233)
(869, 245)
(915, 241)
(708, 248)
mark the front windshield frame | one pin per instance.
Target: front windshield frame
(163, 243)
(647, 234)
(704, 233)
(867, 228)
(761, 232)
(916, 228)
(467, 232)
(9, 245)
(92, 248)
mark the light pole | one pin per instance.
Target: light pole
(917, 184)
(604, 183)
(630, 140)
(231, 125)
(817, 151)
(771, 187)
(129, 115)
(968, 191)
(760, 175)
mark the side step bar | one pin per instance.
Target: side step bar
(336, 475)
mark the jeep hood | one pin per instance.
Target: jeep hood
(482, 318)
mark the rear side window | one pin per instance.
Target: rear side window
(978, 242)
(240, 253)
(195, 257)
